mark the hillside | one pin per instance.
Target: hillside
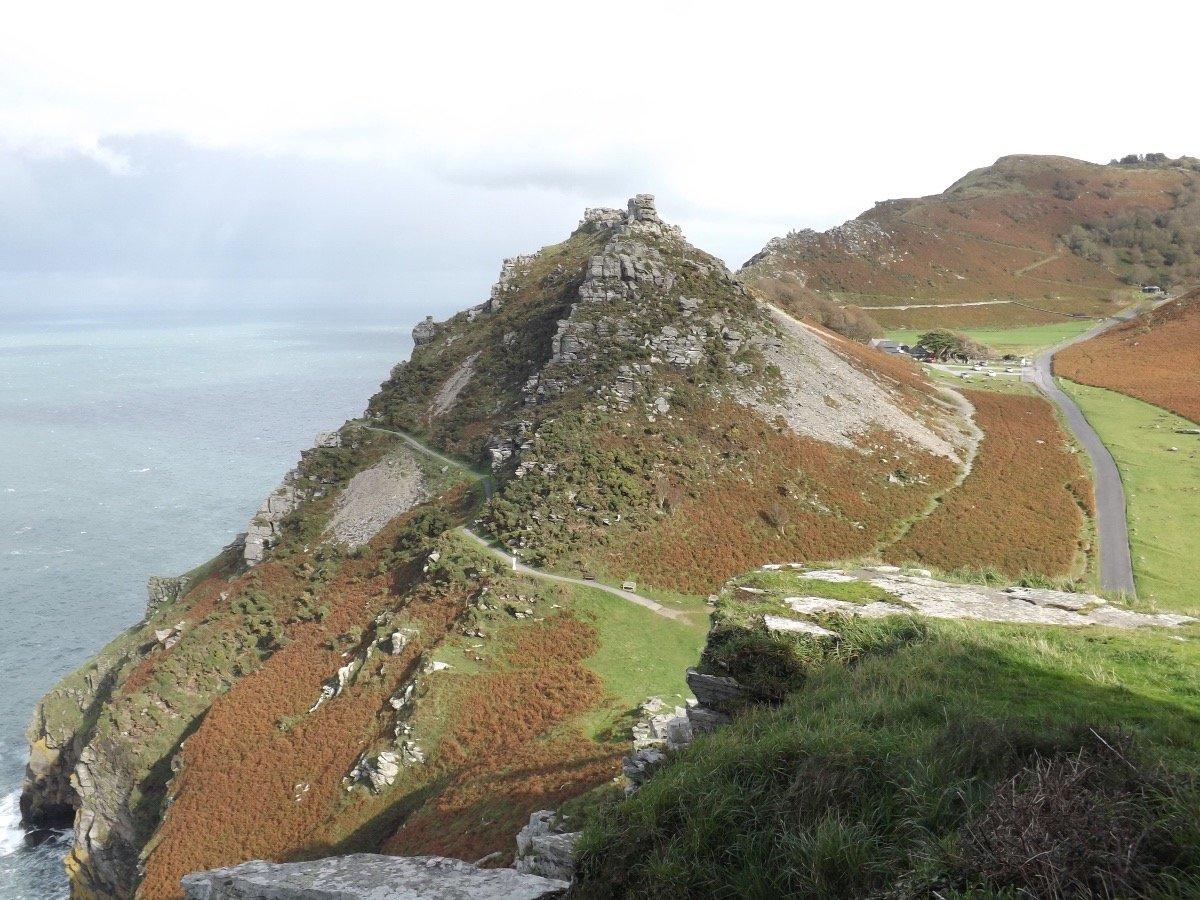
(1058, 235)
(1154, 357)
(891, 735)
(376, 678)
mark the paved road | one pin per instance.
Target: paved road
(488, 488)
(1116, 563)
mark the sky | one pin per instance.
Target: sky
(390, 154)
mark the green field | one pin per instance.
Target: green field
(1023, 341)
(633, 664)
(1162, 489)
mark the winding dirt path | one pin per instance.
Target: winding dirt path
(489, 547)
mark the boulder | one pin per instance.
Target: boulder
(424, 331)
(714, 690)
(545, 849)
(368, 876)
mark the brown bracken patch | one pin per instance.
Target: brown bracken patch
(1022, 508)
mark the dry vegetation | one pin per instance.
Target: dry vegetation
(511, 749)
(235, 796)
(1061, 233)
(1023, 508)
(784, 498)
(1155, 358)
(788, 293)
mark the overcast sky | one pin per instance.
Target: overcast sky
(394, 153)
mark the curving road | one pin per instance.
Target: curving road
(1116, 562)
(488, 488)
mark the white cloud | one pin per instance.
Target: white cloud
(741, 117)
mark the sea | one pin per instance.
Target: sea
(134, 445)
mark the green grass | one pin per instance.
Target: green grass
(1162, 489)
(792, 583)
(1023, 340)
(1001, 384)
(871, 778)
(641, 654)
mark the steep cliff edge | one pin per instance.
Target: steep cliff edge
(375, 679)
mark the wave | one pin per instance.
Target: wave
(12, 835)
(31, 865)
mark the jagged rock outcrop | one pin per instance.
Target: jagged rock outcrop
(265, 528)
(365, 876)
(163, 590)
(546, 848)
(424, 331)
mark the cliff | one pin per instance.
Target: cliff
(377, 678)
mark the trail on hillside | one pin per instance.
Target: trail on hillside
(489, 487)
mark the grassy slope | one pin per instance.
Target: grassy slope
(868, 778)
(632, 672)
(1155, 358)
(1162, 490)
(1021, 341)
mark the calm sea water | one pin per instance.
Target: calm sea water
(129, 449)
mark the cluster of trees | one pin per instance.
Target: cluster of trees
(1149, 246)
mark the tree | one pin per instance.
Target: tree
(943, 345)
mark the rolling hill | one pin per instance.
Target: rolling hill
(1154, 357)
(1051, 236)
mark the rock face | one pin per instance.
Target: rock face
(424, 331)
(365, 876)
(162, 591)
(264, 528)
(546, 849)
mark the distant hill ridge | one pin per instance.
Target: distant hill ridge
(1071, 235)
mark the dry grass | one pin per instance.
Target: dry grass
(790, 498)
(235, 795)
(1022, 508)
(510, 749)
(1155, 358)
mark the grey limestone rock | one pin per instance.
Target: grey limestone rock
(546, 850)
(424, 331)
(162, 591)
(714, 690)
(368, 876)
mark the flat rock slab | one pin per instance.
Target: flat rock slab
(920, 595)
(795, 626)
(368, 876)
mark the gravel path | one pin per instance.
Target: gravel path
(489, 487)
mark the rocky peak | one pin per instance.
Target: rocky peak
(631, 303)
